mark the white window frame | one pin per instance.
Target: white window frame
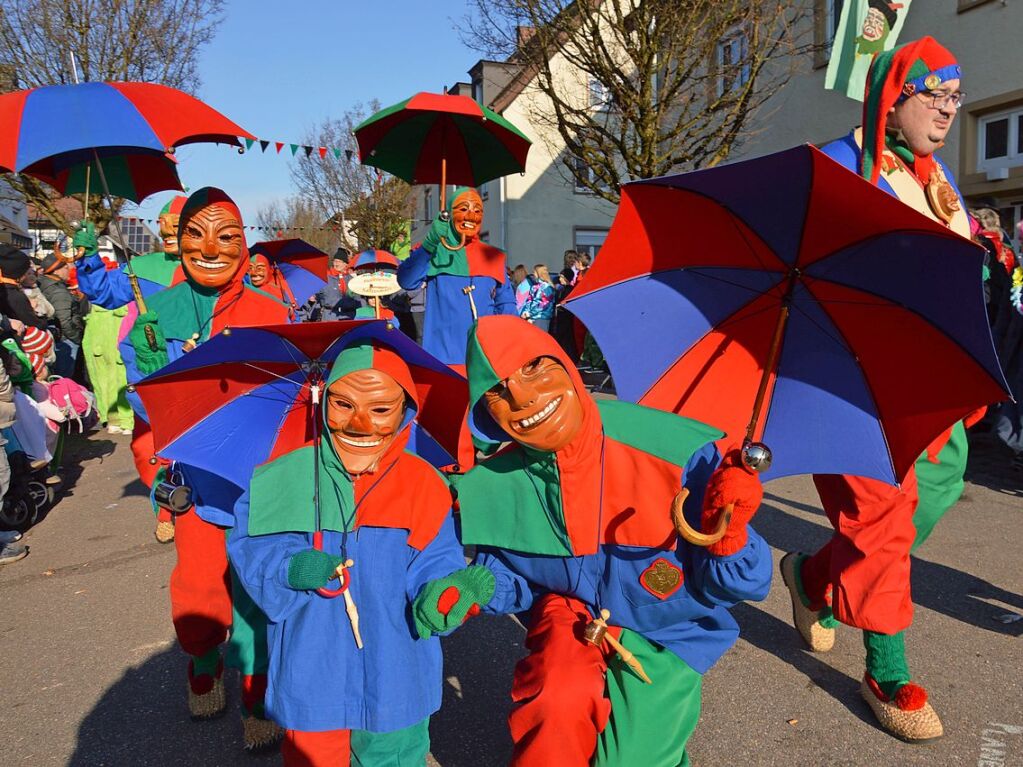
(589, 249)
(1014, 158)
(737, 34)
(832, 15)
(579, 188)
(598, 95)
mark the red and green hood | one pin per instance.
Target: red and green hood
(613, 484)
(404, 492)
(187, 309)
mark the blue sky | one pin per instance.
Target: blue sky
(279, 69)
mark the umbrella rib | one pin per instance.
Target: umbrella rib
(739, 285)
(271, 373)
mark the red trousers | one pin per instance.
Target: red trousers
(200, 586)
(316, 749)
(866, 562)
(559, 688)
(142, 452)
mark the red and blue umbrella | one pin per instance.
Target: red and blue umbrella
(303, 267)
(247, 396)
(874, 312)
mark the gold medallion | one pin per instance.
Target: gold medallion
(662, 579)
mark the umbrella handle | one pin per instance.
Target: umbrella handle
(691, 535)
(342, 572)
(459, 246)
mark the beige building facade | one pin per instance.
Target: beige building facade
(985, 146)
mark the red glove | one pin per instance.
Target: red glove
(732, 482)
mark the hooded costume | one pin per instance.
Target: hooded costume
(862, 576)
(478, 268)
(202, 607)
(395, 523)
(586, 528)
(111, 288)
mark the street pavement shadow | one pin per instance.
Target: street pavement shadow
(937, 587)
(142, 720)
(990, 463)
(471, 728)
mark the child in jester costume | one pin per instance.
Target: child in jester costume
(110, 289)
(462, 282)
(573, 519)
(203, 591)
(862, 576)
(362, 689)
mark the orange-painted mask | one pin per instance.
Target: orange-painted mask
(259, 270)
(537, 405)
(212, 245)
(467, 214)
(365, 410)
(169, 232)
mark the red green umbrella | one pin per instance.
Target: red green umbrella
(133, 176)
(432, 138)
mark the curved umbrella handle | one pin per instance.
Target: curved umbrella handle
(342, 572)
(459, 246)
(687, 532)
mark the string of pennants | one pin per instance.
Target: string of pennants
(255, 228)
(322, 151)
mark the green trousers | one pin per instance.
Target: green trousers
(940, 484)
(650, 724)
(401, 748)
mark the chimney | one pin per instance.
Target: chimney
(523, 36)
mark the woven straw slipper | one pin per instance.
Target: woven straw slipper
(817, 637)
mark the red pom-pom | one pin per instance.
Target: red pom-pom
(910, 697)
(448, 599)
(474, 610)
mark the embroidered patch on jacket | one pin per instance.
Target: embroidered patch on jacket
(662, 579)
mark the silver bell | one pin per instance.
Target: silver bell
(757, 456)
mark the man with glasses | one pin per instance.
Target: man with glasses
(861, 577)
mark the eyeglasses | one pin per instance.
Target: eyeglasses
(940, 100)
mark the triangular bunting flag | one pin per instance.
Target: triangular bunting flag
(308, 150)
(337, 153)
(279, 145)
(249, 142)
(323, 152)
(294, 148)
(263, 144)
(348, 154)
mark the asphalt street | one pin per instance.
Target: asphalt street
(90, 674)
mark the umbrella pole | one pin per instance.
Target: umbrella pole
(88, 174)
(444, 203)
(772, 355)
(135, 289)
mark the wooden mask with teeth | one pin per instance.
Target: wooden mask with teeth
(467, 213)
(212, 240)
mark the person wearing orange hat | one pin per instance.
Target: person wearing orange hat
(861, 577)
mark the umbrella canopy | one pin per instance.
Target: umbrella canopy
(302, 266)
(409, 140)
(374, 258)
(131, 176)
(45, 130)
(886, 343)
(244, 398)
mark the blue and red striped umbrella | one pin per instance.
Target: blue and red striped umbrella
(886, 344)
(245, 398)
(45, 131)
(303, 266)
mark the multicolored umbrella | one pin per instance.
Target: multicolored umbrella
(849, 325)
(131, 176)
(252, 394)
(434, 138)
(303, 266)
(46, 130)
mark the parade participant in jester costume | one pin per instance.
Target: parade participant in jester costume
(349, 678)
(862, 576)
(462, 282)
(573, 520)
(110, 289)
(203, 589)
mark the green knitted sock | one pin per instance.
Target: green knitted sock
(206, 664)
(886, 660)
(826, 617)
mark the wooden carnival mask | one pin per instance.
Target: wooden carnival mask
(212, 246)
(169, 232)
(537, 405)
(259, 271)
(467, 214)
(365, 410)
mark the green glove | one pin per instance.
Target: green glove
(147, 359)
(439, 229)
(161, 476)
(448, 602)
(312, 569)
(85, 237)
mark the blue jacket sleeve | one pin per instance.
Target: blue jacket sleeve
(104, 287)
(512, 593)
(443, 556)
(504, 298)
(261, 563)
(414, 269)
